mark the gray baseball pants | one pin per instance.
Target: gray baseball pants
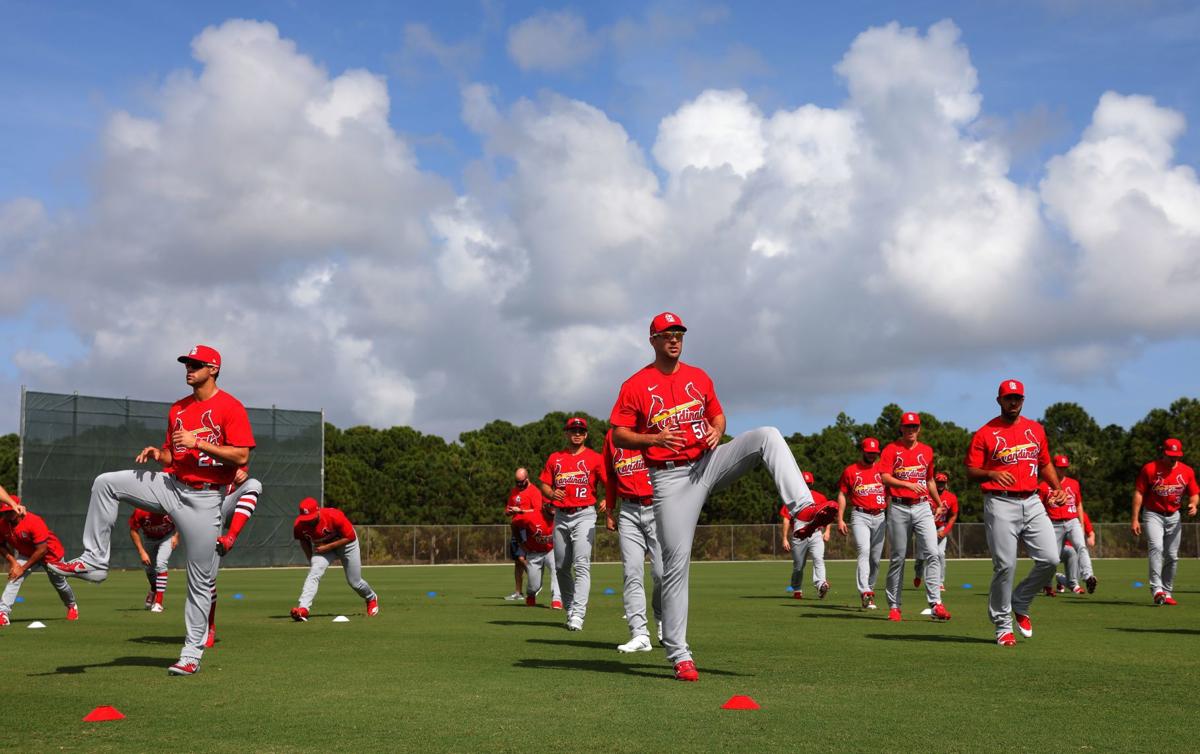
(813, 545)
(680, 491)
(574, 533)
(159, 551)
(251, 487)
(869, 531)
(1070, 560)
(941, 559)
(637, 536)
(351, 564)
(534, 563)
(1009, 521)
(12, 588)
(917, 518)
(1162, 537)
(197, 515)
(1072, 531)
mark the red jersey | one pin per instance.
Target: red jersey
(950, 500)
(685, 401)
(534, 530)
(913, 464)
(863, 488)
(625, 474)
(575, 475)
(523, 500)
(222, 420)
(1019, 448)
(27, 534)
(819, 502)
(329, 525)
(1162, 486)
(153, 525)
(1069, 508)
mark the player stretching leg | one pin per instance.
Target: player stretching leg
(569, 482)
(533, 531)
(1065, 518)
(27, 535)
(208, 437)
(326, 534)
(862, 482)
(802, 547)
(669, 411)
(1007, 456)
(629, 488)
(161, 540)
(1157, 498)
(523, 498)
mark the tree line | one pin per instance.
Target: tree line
(402, 476)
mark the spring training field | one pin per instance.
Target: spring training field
(466, 671)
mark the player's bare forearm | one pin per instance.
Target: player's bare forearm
(230, 454)
(976, 474)
(626, 438)
(307, 548)
(1193, 503)
(1049, 475)
(329, 546)
(5, 497)
(38, 553)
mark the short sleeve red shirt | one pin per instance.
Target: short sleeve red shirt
(650, 402)
(31, 531)
(1019, 448)
(575, 475)
(522, 500)
(221, 420)
(626, 473)
(1163, 486)
(329, 525)
(863, 488)
(1069, 508)
(534, 530)
(153, 525)
(913, 464)
(950, 500)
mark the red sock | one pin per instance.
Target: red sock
(236, 523)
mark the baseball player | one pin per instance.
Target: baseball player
(161, 540)
(801, 549)
(208, 437)
(27, 543)
(241, 500)
(1007, 456)
(629, 492)
(906, 467)
(568, 481)
(1070, 561)
(533, 529)
(670, 412)
(326, 534)
(522, 498)
(862, 483)
(1065, 519)
(944, 521)
(1157, 498)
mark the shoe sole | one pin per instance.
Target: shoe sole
(624, 650)
(93, 576)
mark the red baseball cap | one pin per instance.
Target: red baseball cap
(203, 354)
(1061, 462)
(870, 445)
(808, 477)
(910, 418)
(1011, 387)
(309, 508)
(941, 476)
(576, 422)
(1172, 447)
(666, 321)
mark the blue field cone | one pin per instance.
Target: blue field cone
(967, 586)
(237, 596)
(19, 599)
(790, 589)
(1136, 585)
(430, 594)
(610, 590)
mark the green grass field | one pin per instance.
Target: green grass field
(466, 671)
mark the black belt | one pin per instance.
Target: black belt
(672, 464)
(906, 500)
(869, 513)
(644, 500)
(1012, 495)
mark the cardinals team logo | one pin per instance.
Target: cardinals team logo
(1170, 490)
(1026, 451)
(209, 431)
(563, 477)
(628, 463)
(863, 488)
(688, 412)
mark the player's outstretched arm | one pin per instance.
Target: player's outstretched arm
(6, 498)
(154, 453)
(1136, 525)
(137, 543)
(841, 519)
(1193, 504)
(321, 549)
(785, 529)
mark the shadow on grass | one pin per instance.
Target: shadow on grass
(156, 640)
(610, 666)
(931, 637)
(843, 616)
(575, 643)
(311, 616)
(1125, 603)
(117, 662)
(550, 624)
(1177, 631)
(781, 597)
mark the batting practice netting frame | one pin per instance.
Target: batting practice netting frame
(67, 440)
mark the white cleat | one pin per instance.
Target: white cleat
(639, 643)
(514, 597)
(574, 623)
(156, 608)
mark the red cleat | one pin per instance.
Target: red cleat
(372, 607)
(299, 614)
(212, 638)
(797, 595)
(1006, 639)
(940, 613)
(188, 667)
(1077, 589)
(72, 612)
(531, 601)
(823, 589)
(1169, 600)
(556, 605)
(917, 581)
(77, 569)
(1160, 598)
(1048, 592)
(894, 614)
(225, 544)
(868, 600)
(820, 520)
(3, 619)
(1024, 626)
(686, 671)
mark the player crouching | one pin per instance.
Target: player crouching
(27, 535)
(326, 534)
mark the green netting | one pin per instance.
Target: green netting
(67, 440)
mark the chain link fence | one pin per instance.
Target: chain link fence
(437, 545)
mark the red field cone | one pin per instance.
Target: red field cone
(103, 714)
(740, 702)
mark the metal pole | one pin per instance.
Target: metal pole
(731, 555)
(414, 557)
(21, 447)
(458, 544)
(322, 456)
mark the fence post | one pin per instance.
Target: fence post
(458, 544)
(732, 556)
(414, 557)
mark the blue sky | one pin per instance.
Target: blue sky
(543, 164)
